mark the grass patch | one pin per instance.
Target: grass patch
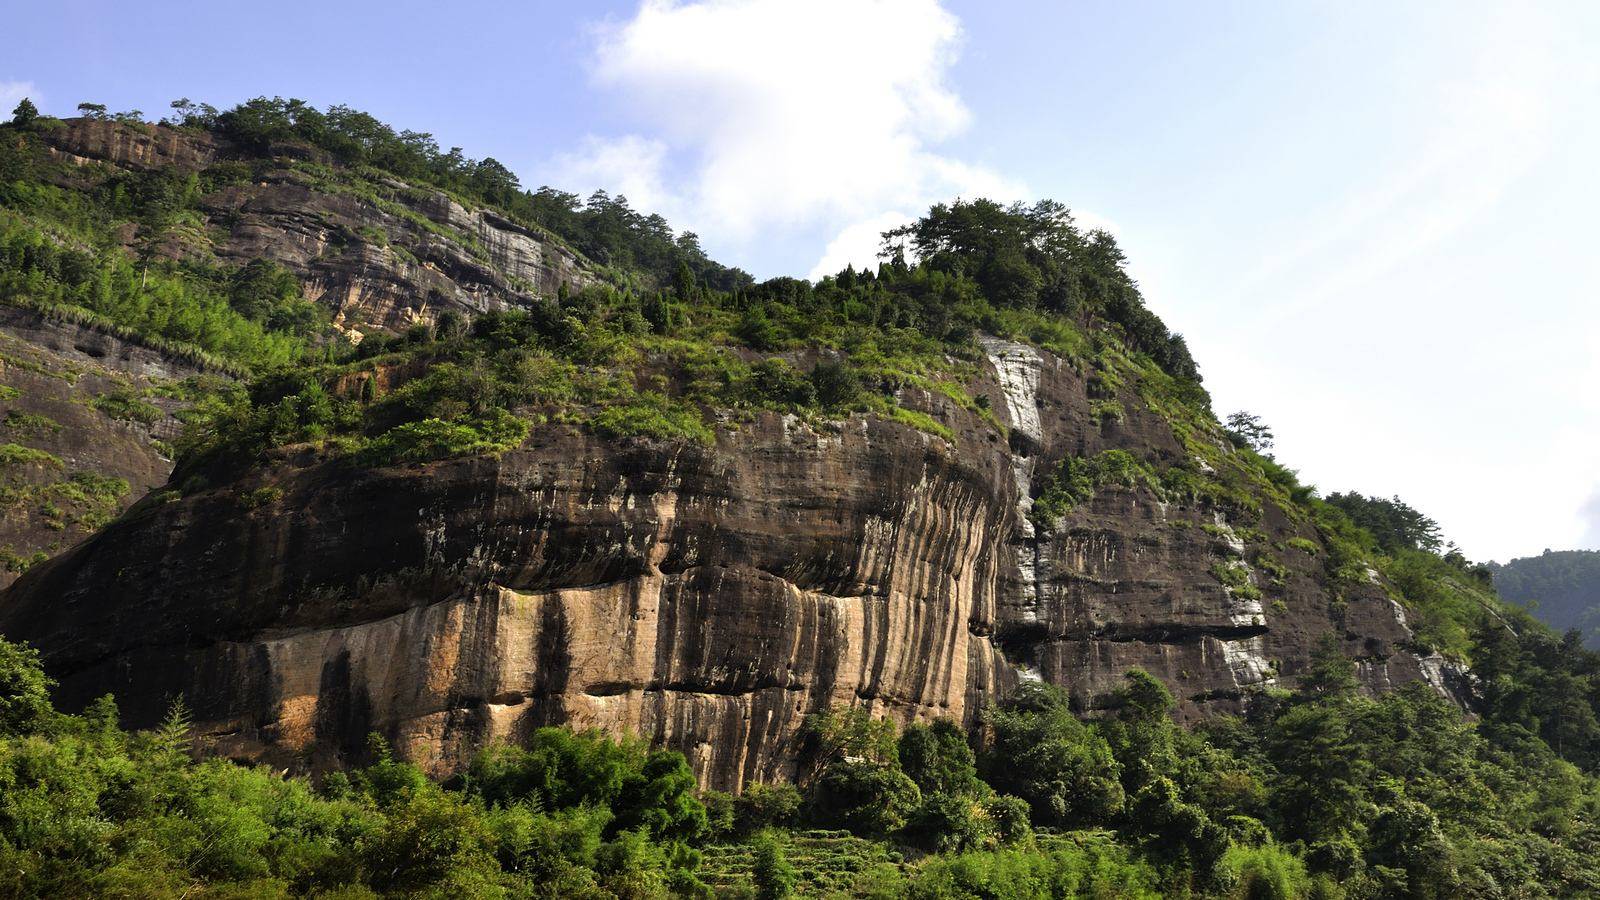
(126, 406)
(17, 455)
(30, 423)
(429, 439)
(655, 416)
(1235, 576)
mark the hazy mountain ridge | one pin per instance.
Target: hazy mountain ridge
(1561, 587)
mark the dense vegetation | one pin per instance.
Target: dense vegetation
(63, 250)
(1561, 587)
(604, 228)
(1320, 792)
(665, 349)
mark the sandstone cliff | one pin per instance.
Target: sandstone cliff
(97, 412)
(380, 253)
(99, 408)
(706, 597)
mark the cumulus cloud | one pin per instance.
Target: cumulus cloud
(857, 245)
(763, 114)
(630, 166)
(12, 92)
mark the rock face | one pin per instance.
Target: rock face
(380, 257)
(705, 597)
(92, 403)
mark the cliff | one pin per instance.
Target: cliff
(379, 252)
(699, 514)
(707, 597)
(91, 417)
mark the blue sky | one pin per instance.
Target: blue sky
(1373, 221)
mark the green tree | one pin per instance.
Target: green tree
(24, 114)
(1331, 674)
(774, 875)
(1393, 522)
(1248, 430)
(938, 760)
(1039, 751)
(24, 691)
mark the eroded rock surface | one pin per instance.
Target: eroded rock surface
(90, 402)
(705, 597)
(380, 258)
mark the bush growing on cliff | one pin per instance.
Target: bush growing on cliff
(1076, 480)
(493, 433)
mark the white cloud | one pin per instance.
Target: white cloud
(631, 166)
(1591, 517)
(12, 92)
(776, 114)
(857, 245)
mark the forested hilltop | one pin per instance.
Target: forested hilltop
(986, 463)
(1560, 587)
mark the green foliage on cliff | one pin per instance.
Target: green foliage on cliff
(1393, 523)
(1033, 257)
(664, 351)
(1076, 479)
(604, 228)
(898, 344)
(64, 249)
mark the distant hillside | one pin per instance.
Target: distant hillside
(1561, 586)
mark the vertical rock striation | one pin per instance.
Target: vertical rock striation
(708, 598)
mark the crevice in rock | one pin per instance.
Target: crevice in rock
(1164, 634)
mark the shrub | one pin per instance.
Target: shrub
(1263, 873)
(30, 423)
(1235, 576)
(18, 455)
(652, 415)
(774, 877)
(776, 382)
(865, 797)
(946, 823)
(836, 384)
(1076, 480)
(24, 691)
(430, 439)
(648, 790)
(261, 496)
(766, 806)
(127, 406)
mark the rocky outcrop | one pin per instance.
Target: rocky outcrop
(381, 256)
(136, 147)
(92, 404)
(708, 598)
